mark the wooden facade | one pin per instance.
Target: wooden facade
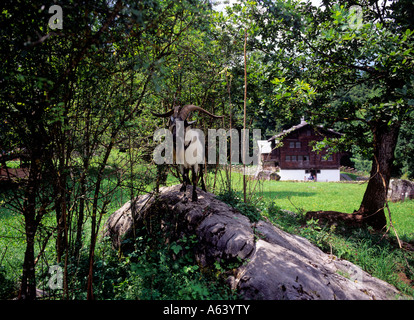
(292, 149)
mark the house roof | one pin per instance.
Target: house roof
(302, 124)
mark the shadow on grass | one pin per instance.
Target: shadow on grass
(285, 194)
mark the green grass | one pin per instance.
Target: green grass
(314, 196)
(343, 197)
(402, 215)
(330, 196)
(13, 164)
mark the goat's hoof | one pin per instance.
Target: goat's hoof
(182, 189)
(194, 199)
(185, 199)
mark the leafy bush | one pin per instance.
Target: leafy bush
(153, 271)
(160, 271)
(234, 200)
(7, 288)
(362, 165)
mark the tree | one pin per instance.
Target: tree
(69, 97)
(335, 50)
(376, 54)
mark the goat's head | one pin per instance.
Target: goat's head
(179, 113)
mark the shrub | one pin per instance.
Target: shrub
(168, 271)
(234, 200)
(7, 288)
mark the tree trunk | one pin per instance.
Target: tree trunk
(372, 205)
(94, 222)
(87, 154)
(81, 214)
(28, 284)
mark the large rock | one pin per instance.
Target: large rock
(400, 190)
(276, 264)
(266, 175)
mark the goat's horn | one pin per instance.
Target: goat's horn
(163, 115)
(190, 107)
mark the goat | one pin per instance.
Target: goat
(176, 114)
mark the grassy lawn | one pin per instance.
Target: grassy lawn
(314, 196)
(334, 196)
(343, 197)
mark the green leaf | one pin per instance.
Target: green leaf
(176, 248)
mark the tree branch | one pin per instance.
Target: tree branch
(89, 43)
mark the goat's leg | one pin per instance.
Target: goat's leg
(162, 174)
(184, 172)
(203, 185)
(194, 176)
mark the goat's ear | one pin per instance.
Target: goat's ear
(191, 122)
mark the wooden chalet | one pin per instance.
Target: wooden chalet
(292, 157)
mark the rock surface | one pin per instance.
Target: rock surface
(276, 264)
(400, 190)
(267, 175)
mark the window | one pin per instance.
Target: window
(300, 158)
(293, 158)
(291, 145)
(308, 133)
(298, 145)
(288, 158)
(330, 158)
(305, 158)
